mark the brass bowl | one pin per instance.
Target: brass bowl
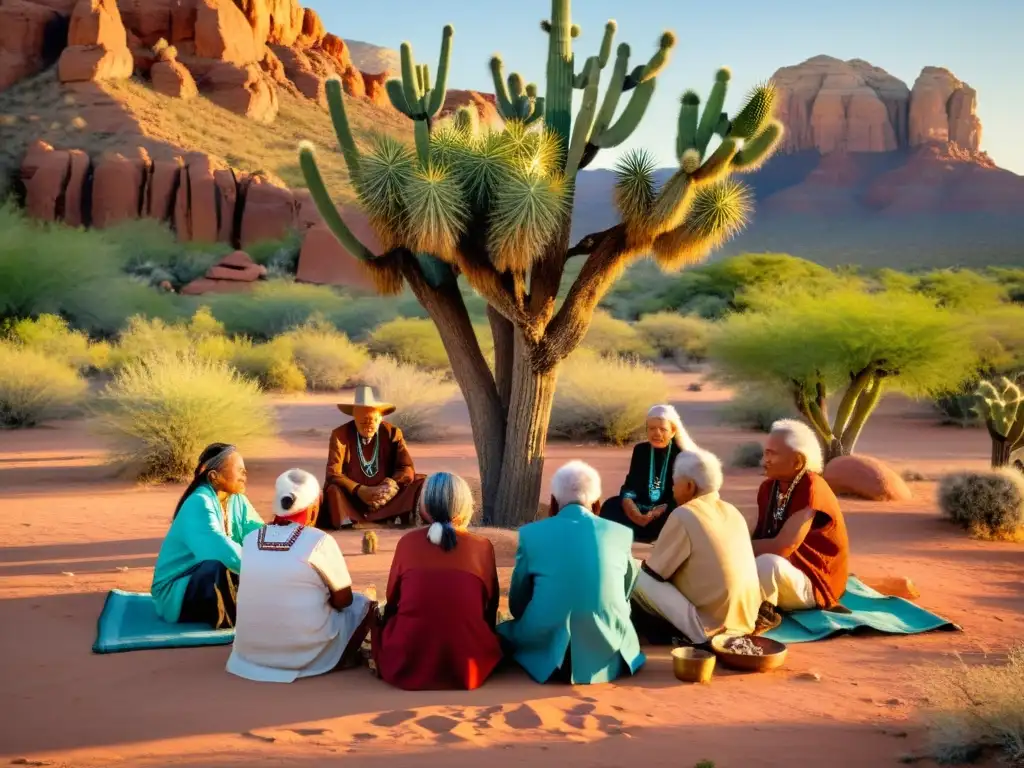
(692, 665)
(774, 654)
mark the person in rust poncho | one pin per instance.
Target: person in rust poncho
(370, 475)
(800, 540)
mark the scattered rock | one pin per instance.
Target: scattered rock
(171, 78)
(813, 677)
(97, 44)
(242, 89)
(866, 478)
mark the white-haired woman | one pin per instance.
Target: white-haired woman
(297, 613)
(800, 537)
(700, 579)
(646, 494)
(437, 631)
(569, 595)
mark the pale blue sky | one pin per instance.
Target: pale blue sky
(979, 42)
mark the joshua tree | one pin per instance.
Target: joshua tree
(999, 403)
(493, 206)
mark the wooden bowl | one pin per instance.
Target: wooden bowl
(774, 654)
(692, 665)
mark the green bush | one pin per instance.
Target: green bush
(757, 408)
(271, 363)
(164, 409)
(419, 396)
(35, 387)
(327, 359)
(990, 505)
(961, 289)
(410, 340)
(53, 269)
(609, 336)
(51, 335)
(274, 307)
(280, 257)
(676, 337)
(150, 251)
(604, 398)
(748, 455)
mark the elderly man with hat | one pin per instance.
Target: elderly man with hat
(370, 475)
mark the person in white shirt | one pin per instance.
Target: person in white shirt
(297, 615)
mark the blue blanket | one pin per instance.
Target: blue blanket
(129, 622)
(870, 610)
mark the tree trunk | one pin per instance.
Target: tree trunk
(1001, 452)
(504, 335)
(834, 450)
(529, 414)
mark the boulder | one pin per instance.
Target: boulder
(865, 477)
(205, 285)
(324, 261)
(27, 32)
(235, 272)
(273, 67)
(91, 63)
(75, 200)
(195, 213)
(268, 213)
(244, 90)
(45, 175)
(150, 20)
(118, 185)
(172, 78)
(942, 108)
(308, 76)
(485, 104)
(335, 47)
(227, 204)
(223, 33)
(286, 21)
(97, 44)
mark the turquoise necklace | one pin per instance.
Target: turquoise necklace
(655, 485)
(369, 466)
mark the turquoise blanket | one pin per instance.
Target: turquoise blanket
(129, 622)
(870, 610)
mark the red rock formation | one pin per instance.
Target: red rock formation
(235, 272)
(268, 214)
(485, 104)
(170, 77)
(163, 189)
(865, 477)
(223, 33)
(118, 187)
(312, 29)
(24, 29)
(375, 90)
(242, 89)
(97, 44)
(45, 173)
(75, 214)
(942, 109)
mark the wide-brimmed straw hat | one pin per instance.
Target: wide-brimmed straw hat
(363, 397)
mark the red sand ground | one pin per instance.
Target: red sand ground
(74, 531)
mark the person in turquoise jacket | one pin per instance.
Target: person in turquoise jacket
(196, 574)
(569, 596)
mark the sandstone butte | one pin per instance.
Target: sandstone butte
(237, 53)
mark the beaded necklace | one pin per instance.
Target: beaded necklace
(371, 465)
(655, 485)
(782, 499)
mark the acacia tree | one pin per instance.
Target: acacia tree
(494, 207)
(850, 343)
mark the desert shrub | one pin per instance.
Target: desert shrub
(957, 409)
(272, 364)
(150, 251)
(989, 505)
(274, 307)
(610, 336)
(419, 396)
(971, 709)
(163, 409)
(410, 340)
(280, 257)
(604, 398)
(757, 408)
(748, 455)
(674, 336)
(327, 359)
(961, 289)
(35, 387)
(51, 335)
(53, 269)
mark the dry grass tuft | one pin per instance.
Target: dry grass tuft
(989, 505)
(971, 709)
(418, 394)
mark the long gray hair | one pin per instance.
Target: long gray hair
(447, 503)
(681, 437)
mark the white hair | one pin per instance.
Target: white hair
(295, 491)
(576, 483)
(803, 440)
(700, 466)
(681, 437)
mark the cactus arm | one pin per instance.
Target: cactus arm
(444, 60)
(410, 78)
(866, 404)
(324, 204)
(421, 132)
(758, 149)
(606, 43)
(505, 108)
(687, 131)
(614, 92)
(630, 117)
(396, 93)
(849, 400)
(560, 66)
(712, 110)
(516, 86)
(342, 129)
(584, 119)
(538, 111)
(716, 166)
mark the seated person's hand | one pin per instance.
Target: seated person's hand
(657, 512)
(368, 494)
(634, 514)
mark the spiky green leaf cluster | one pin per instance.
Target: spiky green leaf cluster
(384, 175)
(527, 212)
(720, 210)
(634, 185)
(437, 211)
(756, 113)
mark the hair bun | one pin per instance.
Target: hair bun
(435, 533)
(287, 502)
